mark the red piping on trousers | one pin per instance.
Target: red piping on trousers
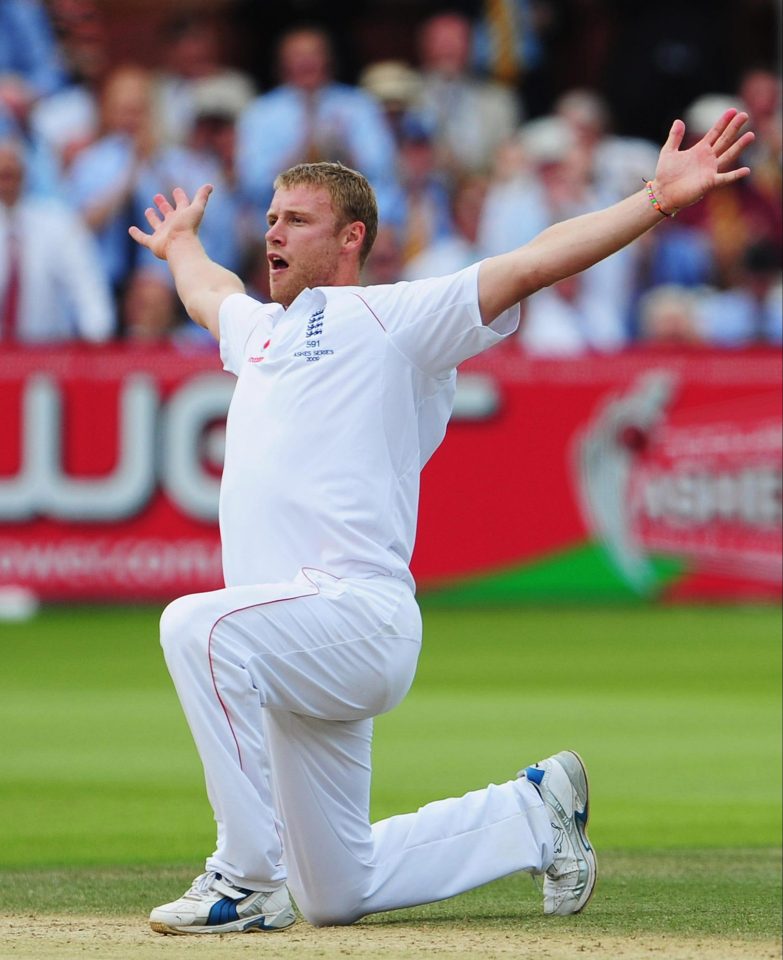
(250, 606)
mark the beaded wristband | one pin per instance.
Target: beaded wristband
(654, 200)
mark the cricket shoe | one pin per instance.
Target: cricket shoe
(569, 880)
(215, 905)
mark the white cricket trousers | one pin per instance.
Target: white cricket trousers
(279, 684)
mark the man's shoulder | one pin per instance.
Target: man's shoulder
(382, 299)
(354, 303)
(238, 304)
(351, 293)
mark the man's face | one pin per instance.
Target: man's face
(445, 44)
(127, 102)
(304, 60)
(303, 242)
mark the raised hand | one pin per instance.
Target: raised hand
(683, 176)
(169, 223)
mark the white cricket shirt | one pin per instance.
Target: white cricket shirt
(340, 401)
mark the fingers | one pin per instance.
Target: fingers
(157, 217)
(731, 176)
(164, 206)
(162, 203)
(203, 194)
(152, 217)
(139, 236)
(676, 133)
(729, 136)
(200, 197)
(713, 134)
(731, 155)
(725, 131)
(181, 199)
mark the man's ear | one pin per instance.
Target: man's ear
(353, 236)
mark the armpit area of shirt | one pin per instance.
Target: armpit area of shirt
(507, 323)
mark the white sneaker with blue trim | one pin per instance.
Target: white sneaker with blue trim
(215, 905)
(569, 880)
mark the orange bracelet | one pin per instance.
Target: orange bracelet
(654, 200)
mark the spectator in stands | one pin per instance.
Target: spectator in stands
(310, 116)
(396, 86)
(255, 270)
(616, 165)
(105, 176)
(514, 208)
(112, 180)
(569, 319)
(28, 47)
(547, 179)
(17, 100)
(706, 244)
(669, 316)
(421, 212)
(471, 115)
(152, 315)
(460, 248)
(751, 311)
(149, 308)
(507, 41)
(532, 186)
(51, 283)
(385, 262)
(217, 104)
(194, 50)
(760, 91)
(69, 119)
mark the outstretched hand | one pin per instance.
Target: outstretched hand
(683, 176)
(169, 223)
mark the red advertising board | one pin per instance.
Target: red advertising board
(657, 471)
(645, 474)
(109, 471)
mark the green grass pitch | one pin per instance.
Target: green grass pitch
(677, 712)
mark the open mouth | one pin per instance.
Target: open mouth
(276, 263)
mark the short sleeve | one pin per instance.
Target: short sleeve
(239, 317)
(436, 323)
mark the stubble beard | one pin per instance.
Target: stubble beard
(287, 288)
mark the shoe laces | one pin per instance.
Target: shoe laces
(202, 884)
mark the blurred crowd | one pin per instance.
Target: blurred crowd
(461, 168)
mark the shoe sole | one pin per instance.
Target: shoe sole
(582, 830)
(251, 926)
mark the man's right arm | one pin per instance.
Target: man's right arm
(201, 284)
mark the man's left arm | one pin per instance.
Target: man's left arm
(682, 177)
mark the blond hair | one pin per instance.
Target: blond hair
(352, 196)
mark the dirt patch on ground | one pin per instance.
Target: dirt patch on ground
(74, 938)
